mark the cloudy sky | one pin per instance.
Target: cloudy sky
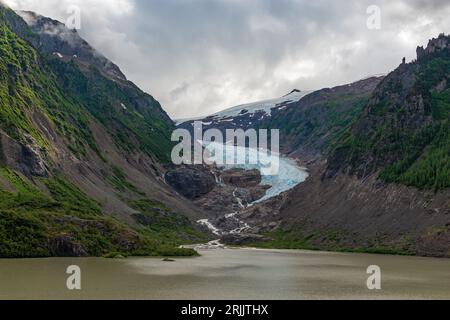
(201, 56)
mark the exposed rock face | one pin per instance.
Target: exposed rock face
(227, 206)
(398, 115)
(225, 199)
(66, 246)
(434, 45)
(241, 178)
(23, 158)
(191, 181)
(350, 213)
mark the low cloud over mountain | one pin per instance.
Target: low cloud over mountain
(200, 57)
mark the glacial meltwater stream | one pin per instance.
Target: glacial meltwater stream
(278, 172)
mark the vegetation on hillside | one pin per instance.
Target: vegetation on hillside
(406, 132)
(26, 88)
(41, 96)
(69, 95)
(132, 118)
(294, 239)
(321, 124)
(32, 223)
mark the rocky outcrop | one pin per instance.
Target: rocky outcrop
(440, 43)
(191, 181)
(26, 159)
(226, 199)
(66, 246)
(402, 118)
(241, 178)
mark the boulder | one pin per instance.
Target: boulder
(191, 182)
(241, 178)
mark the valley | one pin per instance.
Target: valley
(86, 167)
(377, 155)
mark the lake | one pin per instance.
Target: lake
(230, 274)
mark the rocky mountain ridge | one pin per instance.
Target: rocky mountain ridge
(441, 43)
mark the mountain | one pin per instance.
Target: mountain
(84, 159)
(56, 39)
(311, 125)
(244, 116)
(384, 184)
(405, 131)
(309, 122)
(129, 114)
(81, 152)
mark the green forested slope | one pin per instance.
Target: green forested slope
(318, 121)
(405, 131)
(47, 109)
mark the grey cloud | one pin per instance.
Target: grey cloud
(200, 56)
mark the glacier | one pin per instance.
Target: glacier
(287, 175)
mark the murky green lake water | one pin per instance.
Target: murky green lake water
(230, 274)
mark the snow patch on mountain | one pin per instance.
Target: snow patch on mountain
(265, 106)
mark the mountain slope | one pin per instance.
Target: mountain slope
(309, 122)
(80, 154)
(130, 115)
(311, 125)
(384, 187)
(405, 131)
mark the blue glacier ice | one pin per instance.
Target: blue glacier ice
(278, 172)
